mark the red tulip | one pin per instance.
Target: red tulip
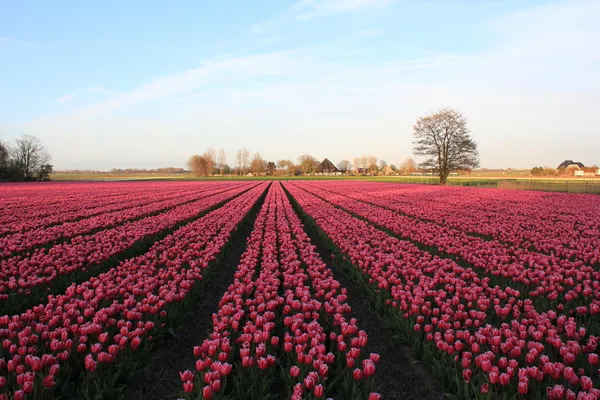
(294, 371)
(357, 374)
(318, 390)
(523, 387)
(48, 382)
(467, 374)
(188, 387)
(215, 385)
(207, 393)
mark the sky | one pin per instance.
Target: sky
(146, 84)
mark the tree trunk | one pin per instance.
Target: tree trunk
(443, 178)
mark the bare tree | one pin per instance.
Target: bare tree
(221, 160)
(287, 165)
(356, 163)
(198, 164)
(258, 165)
(211, 157)
(307, 163)
(238, 162)
(43, 169)
(5, 170)
(245, 158)
(372, 164)
(382, 164)
(443, 138)
(408, 166)
(364, 162)
(29, 155)
(241, 159)
(344, 165)
(4, 156)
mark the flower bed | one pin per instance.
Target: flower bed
(490, 336)
(281, 324)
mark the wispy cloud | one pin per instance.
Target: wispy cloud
(66, 98)
(307, 9)
(96, 90)
(93, 90)
(11, 40)
(370, 32)
(269, 64)
(303, 10)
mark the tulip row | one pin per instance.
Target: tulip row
(42, 209)
(20, 242)
(565, 225)
(551, 281)
(464, 326)
(30, 277)
(283, 309)
(86, 342)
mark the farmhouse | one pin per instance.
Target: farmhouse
(570, 164)
(327, 168)
(570, 167)
(387, 170)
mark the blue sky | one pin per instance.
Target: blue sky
(148, 83)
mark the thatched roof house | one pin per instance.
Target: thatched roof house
(569, 164)
(327, 168)
(387, 170)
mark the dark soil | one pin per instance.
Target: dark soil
(160, 379)
(398, 375)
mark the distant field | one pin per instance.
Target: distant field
(554, 184)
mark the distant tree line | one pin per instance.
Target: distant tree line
(26, 159)
(214, 163)
(441, 138)
(543, 171)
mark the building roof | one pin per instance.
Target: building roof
(567, 163)
(327, 166)
(388, 170)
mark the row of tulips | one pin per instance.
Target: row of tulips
(459, 323)
(565, 225)
(40, 206)
(84, 343)
(33, 196)
(158, 202)
(280, 329)
(33, 277)
(552, 282)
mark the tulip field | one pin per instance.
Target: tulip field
(481, 293)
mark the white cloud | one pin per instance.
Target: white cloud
(254, 65)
